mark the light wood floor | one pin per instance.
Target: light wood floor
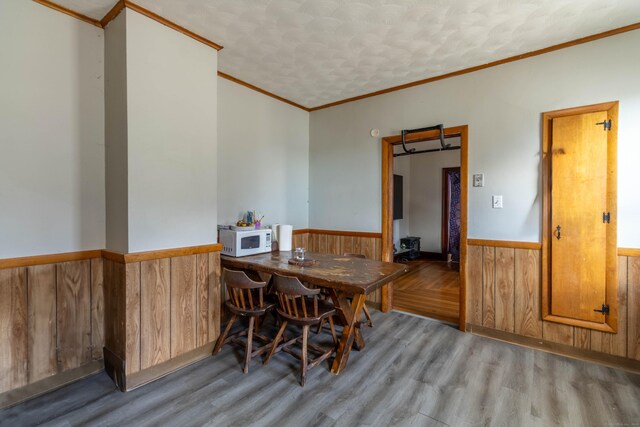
(414, 371)
(430, 289)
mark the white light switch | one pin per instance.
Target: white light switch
(478, 180)
(497, 202)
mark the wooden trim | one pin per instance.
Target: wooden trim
(160, 254)
(69, 12)
(556, 348)
(611, 320)
(564, 45)
(49, 259)
(345, 233)
(29, 391)
(262, 91)
(629, 251)
(300, 231)
(151, 15)
(387, 207)
(505, 244)
(112, 14)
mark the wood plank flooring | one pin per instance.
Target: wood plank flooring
(430, 289)
(413, 371)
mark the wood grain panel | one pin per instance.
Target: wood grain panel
(97, 308)
(582, 338)
(155, 302)
(527, 293)
(114, 307)
(132, 313)
(474, 285)
(615, 344)
(633, 344)
(73, 302)
(41, 281)
(488, 287)
(215, 296)
(13, 328)
(202, 299)
(504, 293)
(557, 332)
(183, 304)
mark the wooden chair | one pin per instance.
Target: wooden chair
(246, 299)
(299, 305)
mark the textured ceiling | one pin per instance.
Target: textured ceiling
(314, 52)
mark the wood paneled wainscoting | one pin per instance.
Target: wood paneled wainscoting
(339, 242)
(162, 311)
(504, 302)
(51, 322)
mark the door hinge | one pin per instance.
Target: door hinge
(606, 123)
(604, 310)
(606, 217)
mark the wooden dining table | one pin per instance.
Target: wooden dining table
(344, 277)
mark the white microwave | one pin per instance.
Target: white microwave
(245, 242)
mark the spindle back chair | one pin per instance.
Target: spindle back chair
(246, 299)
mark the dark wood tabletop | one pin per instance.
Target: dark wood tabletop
(356, 275)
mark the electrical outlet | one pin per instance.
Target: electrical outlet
(496, 202)
(478, 180)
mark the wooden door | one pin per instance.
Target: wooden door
(578, 201)
(579, 185)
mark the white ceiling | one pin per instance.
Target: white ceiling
(314, 52)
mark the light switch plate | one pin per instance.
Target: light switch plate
(496, 202)
(478, 180)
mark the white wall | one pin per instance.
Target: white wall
(52, 196)
(425, 209)
(263, 157)
(172, 137)
(502, 106)
(116, 165)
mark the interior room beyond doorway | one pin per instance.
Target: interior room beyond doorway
(427, 229)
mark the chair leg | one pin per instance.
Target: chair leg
(275, 342)
(305, 339)
(223, 335)
(333, 331)
(248, 350)
(367, 315)
(258, 324)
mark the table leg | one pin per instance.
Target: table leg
(350, 330)
(345, 310)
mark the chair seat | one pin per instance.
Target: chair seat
(257, 311)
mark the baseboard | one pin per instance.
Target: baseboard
(630, 365)
(376, 305)
(433, 255)
(116, 368)
(19, 395)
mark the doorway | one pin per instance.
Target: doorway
(431, 272)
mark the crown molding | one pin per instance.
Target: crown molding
(262, 91)
(121, 4)
(564, 45)
(69, 12)
(119, 7)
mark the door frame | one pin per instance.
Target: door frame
(388, 143)
(611, 292)
(446, 202)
